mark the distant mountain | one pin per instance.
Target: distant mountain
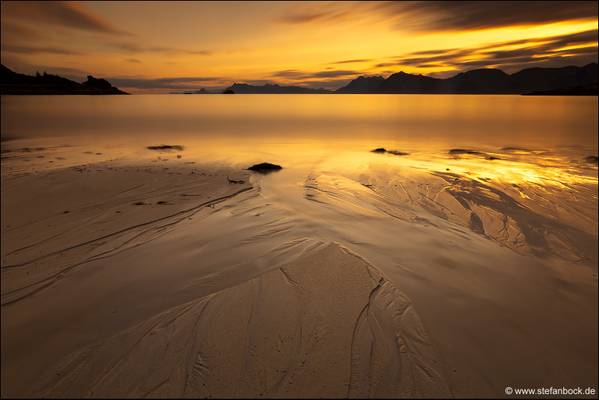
(15, 83)
(362, 84)
(479, 81)
(244, 88)
(201, 91)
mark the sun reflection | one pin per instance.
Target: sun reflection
(542, 171)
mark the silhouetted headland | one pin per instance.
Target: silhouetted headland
(13, 83)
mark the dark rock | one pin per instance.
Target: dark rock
(516, 149)
(265, 168)
(382, 150)
(465, 151)
(166, 147)
(591, 159)
(397, 153)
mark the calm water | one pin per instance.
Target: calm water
(422, 120)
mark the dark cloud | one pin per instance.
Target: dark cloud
(64, 14)
(386, 64)
(198, 52)
(357, 60)
(327, 79)
(533, 51)
(431, 65)
(12, 32)
(32, 49)
(302, 15)
(444, 15)
(333, 74)
(176, 83)
(432, 52)
(126, 47)
(330, 84)
(304, 75)
(132, 47)
(133, 60)
(461, 15)
(576, 38)
(289, 73)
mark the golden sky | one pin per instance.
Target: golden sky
(170, 46)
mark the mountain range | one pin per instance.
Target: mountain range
(14, 83)
(481, 81)
(571, 80)
(244, 88)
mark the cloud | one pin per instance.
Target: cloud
(32, 49)
(306, 75)
(65, 14)
(289, 73)
(307, 12)
(333, 74)
(133, 60)
(579, 47)
(330, 84)
(125, 47)
(327, 79)
(354, 61)
(132, 47)
(184, 82)
(302, 17)
(463, 15)
(12, 31)
(443, 15)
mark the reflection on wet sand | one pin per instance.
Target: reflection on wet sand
(448, 235)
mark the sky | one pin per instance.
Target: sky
(174, 46)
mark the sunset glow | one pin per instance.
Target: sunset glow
(154, 46)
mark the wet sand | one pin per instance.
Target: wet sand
(346, 274)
